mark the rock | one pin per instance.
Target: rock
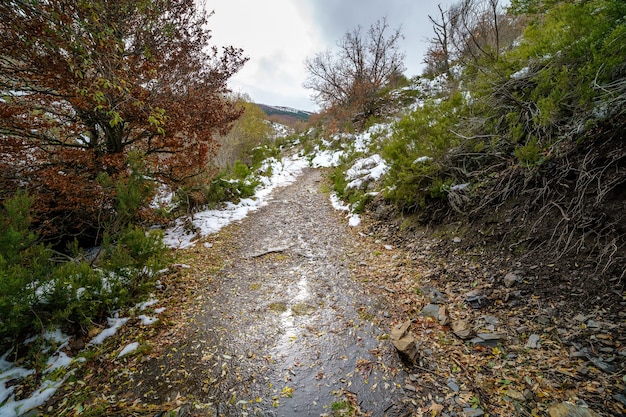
(473, 412)
(602, 365)
(515, 395)
(621, 398)
(476, 299)
(571, 410)
(488, 339)
(453, 386)
(457, 240)
(436, 296)
(511, 279)
(593, 325)
(410, 387)
(431, 310)
(405, 341)
(442, 315)
(461, 329)
(534, 341)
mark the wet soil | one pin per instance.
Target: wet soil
(288, 313)
(283, 328)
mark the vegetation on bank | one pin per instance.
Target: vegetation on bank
(520, 109)
(103, 109)
(519, 118)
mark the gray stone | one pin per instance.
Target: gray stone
(431, 310)
(473, 412)
(436, 296)
(488, 339)
(621, 398)
(592, 324)
(570, 410)
(534, 341)
(453, 386)
(405, 341)
(462, 329)
(511, 279)
(476, 299)
(602, 365)
(443, 315)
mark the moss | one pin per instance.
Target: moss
(302, 309)
(278, 307)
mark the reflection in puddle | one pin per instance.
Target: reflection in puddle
(287, 319)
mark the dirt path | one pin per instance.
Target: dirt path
(282, 329)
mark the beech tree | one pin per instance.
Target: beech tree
(86, 84)
(354, 75)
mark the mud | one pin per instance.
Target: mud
(283, 328)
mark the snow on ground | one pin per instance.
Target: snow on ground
(207, 222)
(114, 324)
(353, 218)
(147, 320)
(129, 348)
(9, 373)
(366, 170)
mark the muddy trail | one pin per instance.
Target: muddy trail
(282, 328)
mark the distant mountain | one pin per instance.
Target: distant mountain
(287, 113)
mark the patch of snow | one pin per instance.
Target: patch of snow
(521, 73)
(159, 310)
(147, 321)
(12, 408)
(354, 220)
(146, 304)
(459, 187)
(327, 159)
(337, 204)
(365, 170)
(129, 348)
(58, 360)
(207, 222)
(114, 325)
(79, 292)
(42, 394)
(422, 159)
(163, 197)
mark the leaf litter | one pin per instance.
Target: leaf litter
(222, 347)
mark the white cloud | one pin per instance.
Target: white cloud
(278, 36)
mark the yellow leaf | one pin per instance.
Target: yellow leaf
(435, 409)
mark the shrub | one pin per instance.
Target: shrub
(417, 149)
(40, 287)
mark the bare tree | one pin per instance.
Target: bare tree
(438, 56)
(475, 30)
(470, 32)
(354, 75)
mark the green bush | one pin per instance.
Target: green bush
(417, 149)
(42, 288)
(25, 268)
(241, 183)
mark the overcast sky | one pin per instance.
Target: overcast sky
(278, 35)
